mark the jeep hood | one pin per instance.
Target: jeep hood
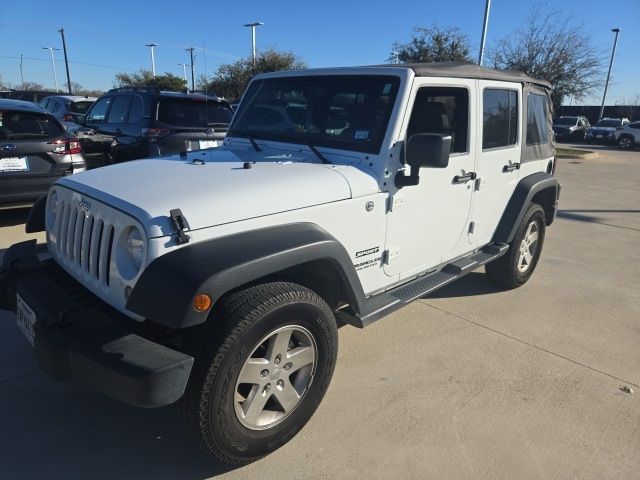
(214, 187)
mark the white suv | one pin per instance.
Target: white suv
(628, 135)
(217, 278)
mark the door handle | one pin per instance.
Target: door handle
(511, 167)
(464, 178)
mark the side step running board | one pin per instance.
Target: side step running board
(385, 303)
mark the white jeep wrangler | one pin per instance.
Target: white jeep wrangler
(217, 279)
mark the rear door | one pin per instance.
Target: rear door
(498, 159)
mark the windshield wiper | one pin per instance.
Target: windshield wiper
(322, 158)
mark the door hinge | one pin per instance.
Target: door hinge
(472, 227)
(389, 255)
(476, 187)
(394, 203)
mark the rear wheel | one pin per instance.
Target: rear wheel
(626, 142)
(517, 265)
(262, 365)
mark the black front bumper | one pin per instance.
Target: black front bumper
(77, 341)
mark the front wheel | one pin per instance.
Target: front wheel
(516, 267)
(262, 365)
(625, 142)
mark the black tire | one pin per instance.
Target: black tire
(221, 348)
(626, 142)
(507, 271)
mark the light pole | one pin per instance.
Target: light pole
(606, 84)
(184, 72)
(253, 26)
(193, 71)
(53, 63)
(153, 59)
(485, 24)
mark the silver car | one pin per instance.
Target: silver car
(67, 108)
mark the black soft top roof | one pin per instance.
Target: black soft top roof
(469, 70)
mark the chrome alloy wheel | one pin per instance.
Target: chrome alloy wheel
(275, 377)
(528, 247)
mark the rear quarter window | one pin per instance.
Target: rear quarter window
(80, 107)
(537, 109)
(24, 125)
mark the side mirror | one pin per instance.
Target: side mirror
(81, 119)
(424, 150)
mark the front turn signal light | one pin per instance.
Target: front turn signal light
(202, 302)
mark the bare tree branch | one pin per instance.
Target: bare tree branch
(550, 46)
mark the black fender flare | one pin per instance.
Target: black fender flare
(165, 291)
(524, 193)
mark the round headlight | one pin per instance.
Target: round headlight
(135, 247)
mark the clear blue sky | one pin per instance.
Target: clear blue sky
(112, 34)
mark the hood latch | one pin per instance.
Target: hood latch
(180, 224)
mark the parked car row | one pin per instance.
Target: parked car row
(607, 130)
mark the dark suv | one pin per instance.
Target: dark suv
(140, 122)
(34, 152)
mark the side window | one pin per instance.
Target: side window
(43, 103)
(442, 110)
(99, 111)
(135, 112)
(537, 108)
(119, 110)
(499, 118)
(54, 106)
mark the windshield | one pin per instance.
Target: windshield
(608, 123)
(16, 125)
(566, 121)
(193, 112)
(80, 107)
(338, 111)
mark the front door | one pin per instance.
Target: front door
(498, 159)
(428, 223)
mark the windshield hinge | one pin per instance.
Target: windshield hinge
(180, 224)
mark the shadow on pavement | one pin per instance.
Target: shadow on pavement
(570, 215)
(55, 430)
(472, 284)
(14, 216)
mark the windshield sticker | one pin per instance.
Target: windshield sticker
(361, 134)
(386, 89)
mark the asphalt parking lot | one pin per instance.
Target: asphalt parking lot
(472, 382)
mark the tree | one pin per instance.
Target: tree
(32, 86)
(231, 79)
(550, 46)
(78, 89)
(432, 44)
(629, 107)
(144, 78)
